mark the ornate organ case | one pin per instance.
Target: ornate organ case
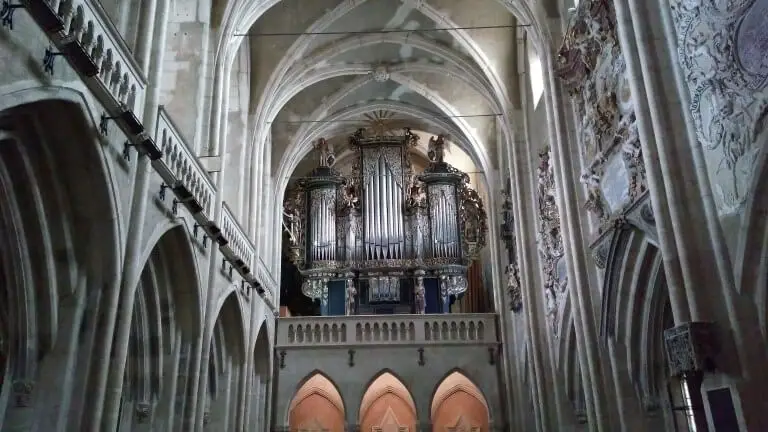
(379, 232)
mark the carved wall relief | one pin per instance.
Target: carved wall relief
(550, 241)
(593, 70)
(721, 48)
(512, 271)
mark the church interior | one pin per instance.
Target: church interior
(383, 215)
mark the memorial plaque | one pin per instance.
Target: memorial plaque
(615, 183)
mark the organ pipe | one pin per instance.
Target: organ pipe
(391, 223)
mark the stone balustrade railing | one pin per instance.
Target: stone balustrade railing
(265, 276)
(354, 330)
(238, 241)
(84, 35)
(82, 31)
(184, 166)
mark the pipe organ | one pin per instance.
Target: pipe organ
(383, 232)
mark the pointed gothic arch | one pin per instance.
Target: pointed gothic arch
(751, 254)
(387, 403)
(459, 404)
(54, 234)
(317, 405)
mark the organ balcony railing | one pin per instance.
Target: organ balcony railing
(370, 330)
(82, 33)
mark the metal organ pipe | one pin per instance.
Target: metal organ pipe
(377, 215)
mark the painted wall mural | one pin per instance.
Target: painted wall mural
(722, 47)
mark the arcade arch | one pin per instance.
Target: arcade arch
(387, 405)
(317, 406)
(458, 404)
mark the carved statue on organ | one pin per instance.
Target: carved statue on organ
(378, 236)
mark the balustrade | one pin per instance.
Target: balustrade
(184, 166)
(87, 38)
(390, 329)
(238, 241)
(82, 30)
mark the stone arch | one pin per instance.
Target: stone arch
(68, 233)
(317, 393)
(260, 378)
(751, 255)
(219, 396)
(458, 402)
(635, 312)
(387, 401)
(574, 384)
(165, 312)
(179, 255)
(230, 317)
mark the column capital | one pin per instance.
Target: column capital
(691, 348)
(143, 412)
(22, 392)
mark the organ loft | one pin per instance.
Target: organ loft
(384, 238)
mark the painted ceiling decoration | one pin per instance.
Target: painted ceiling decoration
(381, 123)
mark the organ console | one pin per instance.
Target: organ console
(384, 234)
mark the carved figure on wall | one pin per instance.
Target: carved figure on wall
(351, 295)
(436, 149)
(420, 297)
(513, 287)
(473, 221)
(549, 237)
(325, 150)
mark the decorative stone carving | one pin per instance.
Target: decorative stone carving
(381, 74)
(549, 237)
(420, 302)
(508, 236)
(592, 67)
(691, 348)
(513, 287)
(22, 392)
(721, 48)
(143, 412)
(351, 295)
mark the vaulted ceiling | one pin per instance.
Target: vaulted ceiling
(324, 68)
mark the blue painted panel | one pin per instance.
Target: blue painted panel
(337, 298)
(432, 296)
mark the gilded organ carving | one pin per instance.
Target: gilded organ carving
(383, 230)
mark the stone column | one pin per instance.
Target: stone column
(57, 371)
(708, 282)
(21, 410)
(182, 384)
(541, 368)
(254, 406)
(112, 378)
(166, 405)
(598, 411)
(194, 418)
(265, 403)
(146, 31)
(143, 417)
